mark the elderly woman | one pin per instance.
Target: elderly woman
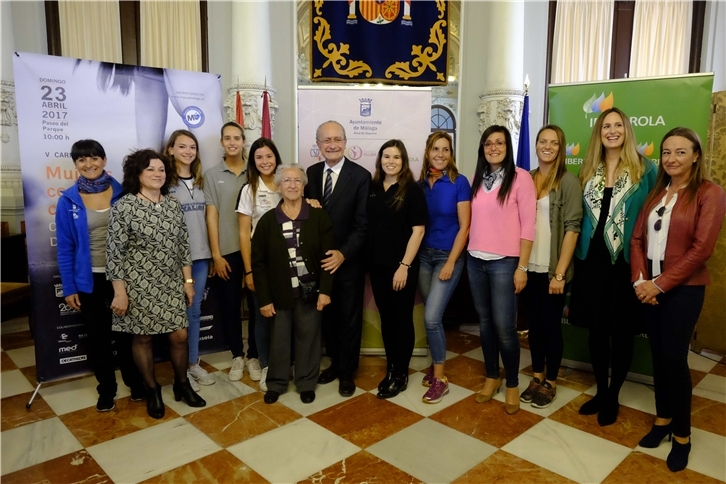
(81, 222)
(292, 288)
(150, 266)
(674, 236)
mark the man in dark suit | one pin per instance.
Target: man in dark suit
(341, 186)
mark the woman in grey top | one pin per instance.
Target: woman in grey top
(186, 185)
(557, 226)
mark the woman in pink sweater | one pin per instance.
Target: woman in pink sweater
(503, 207)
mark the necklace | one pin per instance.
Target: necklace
(156, 204)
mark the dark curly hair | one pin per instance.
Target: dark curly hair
(137, 162)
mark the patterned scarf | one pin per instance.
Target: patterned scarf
(615, 224)
(491, 178)
(98, 185)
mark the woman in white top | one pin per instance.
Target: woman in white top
(257, 197)
(187, 185)
(557, 226)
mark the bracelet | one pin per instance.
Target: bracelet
(404, 264)
(248, 273)
(522, 268)
(188, 281)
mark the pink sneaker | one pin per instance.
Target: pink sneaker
(428, 377)
(436, 391)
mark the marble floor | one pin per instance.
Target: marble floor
(237, 438)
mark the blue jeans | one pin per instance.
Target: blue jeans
(492, 289)
(436, 294)
(200, 271)
(262, 330)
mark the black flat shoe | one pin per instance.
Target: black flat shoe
(678, 458)
(346, 386)
(608, 413)
(328, 375)
(386, 382)
(138, 394)
(397, 385)
(271, 397)
(656, 435)
(154, 403)
(307, 396)
(591, 407)
(184, 391)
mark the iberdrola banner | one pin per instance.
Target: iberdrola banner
(389, 41)
(654, 105)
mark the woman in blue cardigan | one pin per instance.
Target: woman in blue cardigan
(81, 221)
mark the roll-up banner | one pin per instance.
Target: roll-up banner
(61, 100)
(370, 117)
(654, 106)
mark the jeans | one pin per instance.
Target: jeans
(436, 294)
(262, 330)
(200, 271)
(492, 289)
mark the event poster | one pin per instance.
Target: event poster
(61, 100)
(654, 106)
(370, 118)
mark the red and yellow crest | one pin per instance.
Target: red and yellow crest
(379, 11)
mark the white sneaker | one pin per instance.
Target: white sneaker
(238, 367)
(263, 379)
(254, 369)
(200, 375)
(193, 382)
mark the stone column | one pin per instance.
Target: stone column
(251, 65)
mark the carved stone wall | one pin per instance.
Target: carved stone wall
(502, 107)
(251, 95)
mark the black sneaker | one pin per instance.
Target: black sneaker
(138, 394)
(106, 403)
(531, 391)
(545, 396)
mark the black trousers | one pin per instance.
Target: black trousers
(230, 297)
(670, 326)
(343, 319)
(396, 309)
(96, 316)
(544, 312)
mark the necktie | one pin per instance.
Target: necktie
(328, 190)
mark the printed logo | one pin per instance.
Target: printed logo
(205, 338)
(193, 117)
(58, 290)
(73, 359)
(67, 349)
(355, 152)
(65, 309)
(206, 328)
(573, 149)
(597, 104)
(366, 105)
(646, 149)
(64, 336)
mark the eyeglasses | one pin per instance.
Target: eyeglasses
(659, 223)
(329, 141)
(498, 143)
(292, 181)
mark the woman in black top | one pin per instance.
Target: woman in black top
(397, 216)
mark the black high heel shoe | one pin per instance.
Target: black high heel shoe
(398, 384)
(656, 435)
(184, 391)
(154, 403)
(678, 458)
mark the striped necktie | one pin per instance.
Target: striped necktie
(328, 187)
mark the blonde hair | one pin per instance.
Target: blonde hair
(630, 160)
(451, 171)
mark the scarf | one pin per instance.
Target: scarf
(491, 178)
(615, 224)
(98, 185)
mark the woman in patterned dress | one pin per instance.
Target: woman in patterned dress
(149, 263)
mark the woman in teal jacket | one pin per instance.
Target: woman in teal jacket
(616, 179)
(81, 222)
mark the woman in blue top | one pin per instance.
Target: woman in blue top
(81, 222)
(449, 204)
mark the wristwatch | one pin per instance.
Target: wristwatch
(559, 277)
(522, 268)
(188, 281)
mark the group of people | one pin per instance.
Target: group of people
(629, 239)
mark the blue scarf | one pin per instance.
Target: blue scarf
(98, 185)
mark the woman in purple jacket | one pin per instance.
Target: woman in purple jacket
(81, 222)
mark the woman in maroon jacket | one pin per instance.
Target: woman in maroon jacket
(675, 234)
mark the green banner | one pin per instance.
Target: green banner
(654, 106)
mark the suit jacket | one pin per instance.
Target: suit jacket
(346, 209)
(692, 235)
